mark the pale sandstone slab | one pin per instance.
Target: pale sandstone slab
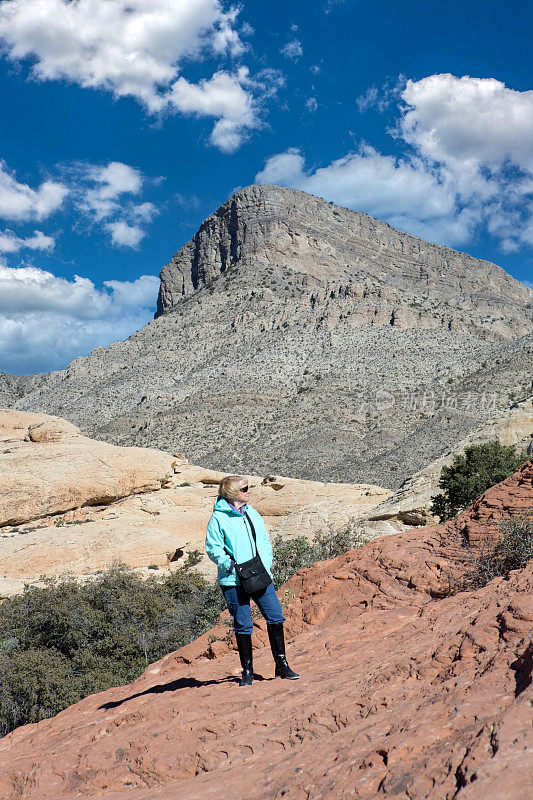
(47, 467)
(66, 491)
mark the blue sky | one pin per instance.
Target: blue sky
(126, 123)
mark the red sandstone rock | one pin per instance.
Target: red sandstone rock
(404, 692)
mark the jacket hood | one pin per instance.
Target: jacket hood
(222, 505)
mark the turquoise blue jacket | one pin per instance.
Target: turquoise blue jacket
(230, 530)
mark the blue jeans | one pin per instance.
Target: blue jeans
(238, 603)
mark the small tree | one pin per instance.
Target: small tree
(469, 475)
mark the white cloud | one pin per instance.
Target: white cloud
(124, 235)
(117, 178)
(46, 321)
(144, 212)
(11, 243)
(468, 121)
(379, 185)
(223, 97)
(311, 104)
(109, 183)
(467, 163)
(105, 194)
(20, 202)
(477, 131)
(132, 47)
(141, 293)
(293, 50)
(137, 48)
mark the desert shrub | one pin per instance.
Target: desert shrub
(291, 555)
(515, 548)
(490, 559)
(469, 475)
(66, 640)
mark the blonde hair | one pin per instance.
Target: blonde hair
(229, 487)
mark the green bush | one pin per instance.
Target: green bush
(62, 642)
(290, 555)
(469, 475)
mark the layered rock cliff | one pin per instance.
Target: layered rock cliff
(272, 234)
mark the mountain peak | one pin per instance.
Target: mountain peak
(269, 235)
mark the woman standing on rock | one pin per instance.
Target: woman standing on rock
(237, 542)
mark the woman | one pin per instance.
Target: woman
(230, 540)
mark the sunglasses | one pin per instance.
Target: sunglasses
(244, 488)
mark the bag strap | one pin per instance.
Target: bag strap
(253, 529)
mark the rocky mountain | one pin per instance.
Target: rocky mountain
(406, 691)
(297, 337)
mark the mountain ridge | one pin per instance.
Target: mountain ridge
(271, 366)
(259, 225)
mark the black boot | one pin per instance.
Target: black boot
(244, 643)
(277, 644)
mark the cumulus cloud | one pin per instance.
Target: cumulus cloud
(46, 321)
(478, 132)
(293, 50)
(125, 235)
(365, 180)
(20, 202)
(11, 243)
(467, 163)
(128, 46)
(311, 104)
(224, 97)
(465, 121)
(107, 184)
(107, 195)
(137, 48)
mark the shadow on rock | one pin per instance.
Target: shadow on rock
(174, 686)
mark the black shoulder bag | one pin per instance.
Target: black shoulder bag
(252, 574)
